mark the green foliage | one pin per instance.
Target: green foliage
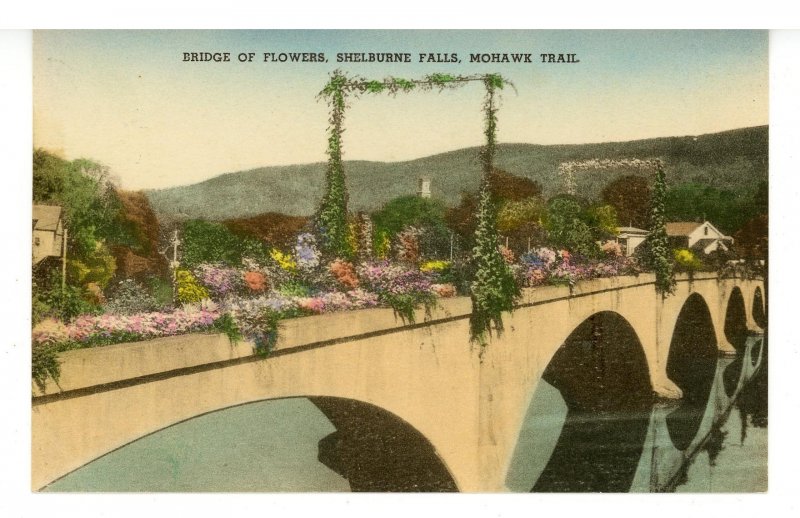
(522, 220)
(45, 364)
(130, 297)
(602, 219)
(50, 301)
(97, 266)
(409, 211)
(209, 242)
(375, 87)
(727, 210)
(91, 209)
(226, 324)
(506, 186)
(441, 79)
(567, 227)
(657, 253)
(331, 217)
(404, 304)
(189, 289)
(630, 197)
(425, 214)
(494, 289)
(686, 261)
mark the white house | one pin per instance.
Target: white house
(48, 232)
(699, 237)
(629, 238)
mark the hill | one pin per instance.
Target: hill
(736, 160)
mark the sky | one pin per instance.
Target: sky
(127, 99)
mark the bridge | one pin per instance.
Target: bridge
(411, 402)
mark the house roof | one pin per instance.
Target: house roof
(46, 217)
(632, 230)
(681, 228)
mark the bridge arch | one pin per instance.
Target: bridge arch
(368, 447)
(691, 364)
(758, 308)
(736, 319)
(599, 370)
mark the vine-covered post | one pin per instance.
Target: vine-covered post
(658, 250)
(494, 289)
(331, 218)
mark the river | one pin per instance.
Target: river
(273, 446)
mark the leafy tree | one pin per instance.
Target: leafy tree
(567, 227)
(602, 220)
(506, 186)
(278, 229)
(630, 197)
(207, 242)
(522, 220)
(410, 211)
(461, 218)
(425, 214)
(727, 210)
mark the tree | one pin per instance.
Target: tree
(461, 219)
(567, 227)
(209, 242)
(522, 222)
(508, 187)
(727, 210)
(630, 197)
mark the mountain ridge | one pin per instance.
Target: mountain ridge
(733, 159)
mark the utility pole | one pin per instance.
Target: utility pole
(451, 246)
(64, 261)
(174, 264)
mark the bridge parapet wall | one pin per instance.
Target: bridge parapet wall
(426, 373)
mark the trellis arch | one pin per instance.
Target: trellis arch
(658, 251)
(494, 289)
(567, 170)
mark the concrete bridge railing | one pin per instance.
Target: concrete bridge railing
(427, 374)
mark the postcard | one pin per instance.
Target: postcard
(400, 261)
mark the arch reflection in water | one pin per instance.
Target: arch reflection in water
(736, 334)
(759, 311)
(289, 444)
(598, 393)
(691, 364)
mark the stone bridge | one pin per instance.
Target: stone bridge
(420, 398)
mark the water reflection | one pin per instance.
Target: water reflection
(691, 364)
(651, 450)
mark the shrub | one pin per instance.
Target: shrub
(189, 290)
(686, 261)
(130, 297)
(344, 273)
(256, 281)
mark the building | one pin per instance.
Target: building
(48, 232)
(629, 238)
(424, 187)
(698, 237)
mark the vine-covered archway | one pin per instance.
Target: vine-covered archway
(494, 288)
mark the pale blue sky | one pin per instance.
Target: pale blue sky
(126, 98)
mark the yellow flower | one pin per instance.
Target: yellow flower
(285, 261)
(434, 266)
